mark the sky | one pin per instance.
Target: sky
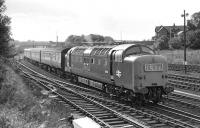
(43, 20)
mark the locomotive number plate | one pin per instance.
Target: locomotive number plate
(153, 67)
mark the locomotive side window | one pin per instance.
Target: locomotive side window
(105, 62)
(81, 60)
(92, 60)
(86, 60)
(146, 50)
(99, 61)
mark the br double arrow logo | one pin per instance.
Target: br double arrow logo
(118, 73)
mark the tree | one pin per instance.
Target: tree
(162, 42)
(6, 49)
(195, 19)
(96, 38)
(74, 40)
(194, 39)
(175, 43)
(108, 40)
(190, 25)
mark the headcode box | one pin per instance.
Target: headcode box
(85, 122)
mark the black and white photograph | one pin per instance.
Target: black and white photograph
(99, 64)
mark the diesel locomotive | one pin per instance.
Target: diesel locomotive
(132, 71)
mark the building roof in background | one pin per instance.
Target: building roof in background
(169, 28)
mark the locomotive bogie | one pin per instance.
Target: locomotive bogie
(91, 83)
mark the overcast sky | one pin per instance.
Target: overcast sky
(42, 20)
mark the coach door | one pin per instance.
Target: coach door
(117, 67)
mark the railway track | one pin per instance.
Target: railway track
(190, 119)
(184, 103)
(103, 115)
(143, 117)
(184, 82)
(157, 116)
(186, 78)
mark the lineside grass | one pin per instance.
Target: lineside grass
(23, 106)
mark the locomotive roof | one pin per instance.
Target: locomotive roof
(115, 47)
(123, 46)
(99, 50)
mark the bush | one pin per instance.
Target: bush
(4, 122)
(23, 105)
(175, 43)
(7, 93)
(162, 42)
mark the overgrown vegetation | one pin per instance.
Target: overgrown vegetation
(23, 106)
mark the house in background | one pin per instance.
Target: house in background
(169, 31)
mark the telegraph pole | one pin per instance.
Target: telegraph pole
(185, 62)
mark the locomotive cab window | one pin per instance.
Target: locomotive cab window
(146, 50)
(133, 51)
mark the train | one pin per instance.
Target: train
(132, 71)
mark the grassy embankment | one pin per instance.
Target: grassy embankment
(23, 106)
(177, 56)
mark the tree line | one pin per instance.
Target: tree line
(74, 40)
